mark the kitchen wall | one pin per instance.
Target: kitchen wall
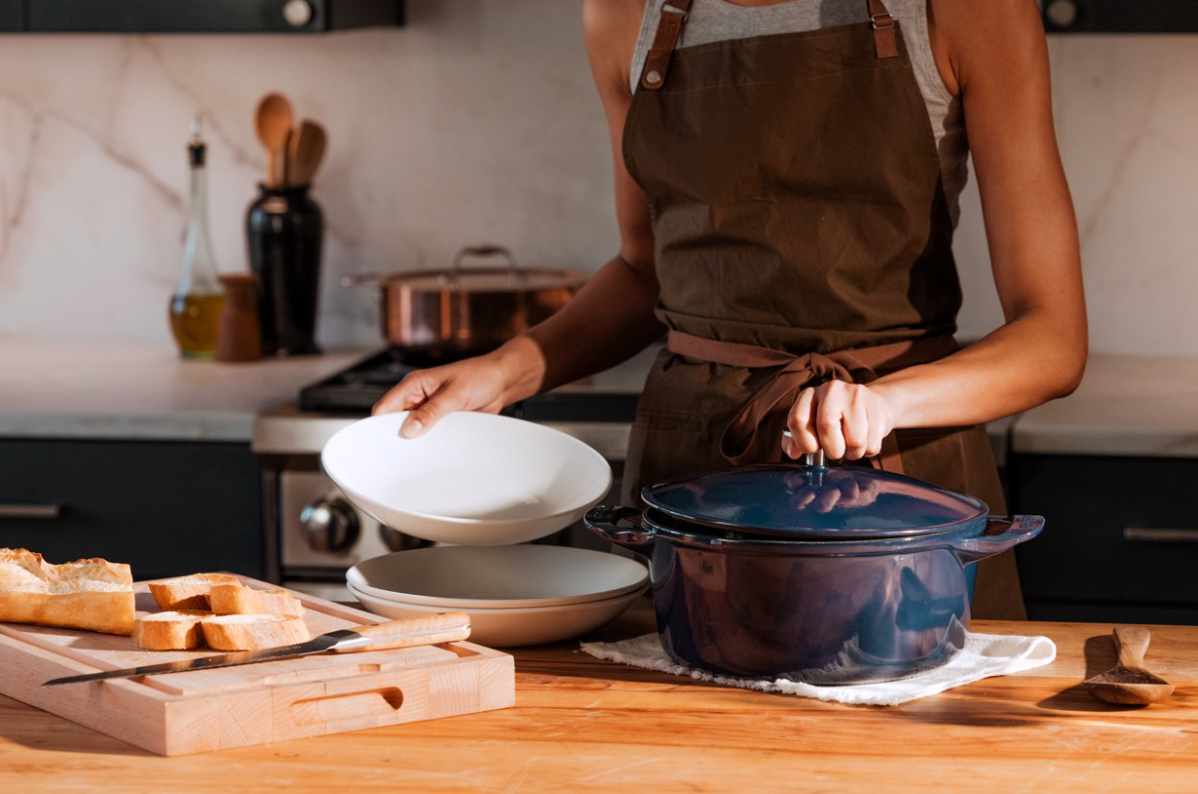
(479, 122)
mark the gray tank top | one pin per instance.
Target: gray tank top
(721, 20)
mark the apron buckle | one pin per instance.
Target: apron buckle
(886, 24)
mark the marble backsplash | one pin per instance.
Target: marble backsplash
(479, 122)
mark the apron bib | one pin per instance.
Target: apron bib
(802, 234)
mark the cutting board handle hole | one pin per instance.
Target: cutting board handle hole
(387, 700)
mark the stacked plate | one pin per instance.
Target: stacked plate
(483, 482)
(515, 595)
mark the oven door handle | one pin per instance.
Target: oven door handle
(31, 512)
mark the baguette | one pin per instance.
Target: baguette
(187, 592)
(237, 599)
(93, 594)
(253, 632)
(170, 631)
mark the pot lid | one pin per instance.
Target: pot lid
(488, 279)
(511, 278)
(814, 503)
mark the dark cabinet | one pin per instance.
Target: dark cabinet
(11, 16)
(1120, 543)
(166, 508)
(1120, 16)
(198, 16)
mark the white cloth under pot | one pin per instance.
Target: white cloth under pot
(982, 656)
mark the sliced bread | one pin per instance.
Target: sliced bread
(170, 631)
(237, 599)
(253, 632)
(187, 592)
(93, 594)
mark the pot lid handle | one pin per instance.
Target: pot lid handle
(813, 460)
(483, 250)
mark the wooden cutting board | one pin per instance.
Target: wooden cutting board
(206, 710)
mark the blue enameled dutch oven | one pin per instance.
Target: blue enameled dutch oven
(828, 575)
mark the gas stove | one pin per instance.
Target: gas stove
(314, 534)
(356, 389)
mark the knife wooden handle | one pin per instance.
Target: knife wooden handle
(410, 632)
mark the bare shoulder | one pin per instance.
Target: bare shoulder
(977, 39)
(611, 28)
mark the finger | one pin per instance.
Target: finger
(790, 448)
(800, 421)
(829, 419)
(877, 431)
(433, 410)
(856, 424)
(412, 391)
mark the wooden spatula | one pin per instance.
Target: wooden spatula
(305, 151)
(1129, 681)
(272, 121)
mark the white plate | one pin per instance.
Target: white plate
(473, 479)
(497, 577)
(507, 628)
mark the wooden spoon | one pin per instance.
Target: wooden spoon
(273, 123)
(306, 151)
(1129, 681)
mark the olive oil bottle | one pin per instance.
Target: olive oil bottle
(196, 305)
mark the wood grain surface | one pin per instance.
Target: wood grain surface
(221, 708)
(581, 724)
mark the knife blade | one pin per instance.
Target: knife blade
(406, 633)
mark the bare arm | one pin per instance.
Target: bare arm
(610, 319)
(997, 60)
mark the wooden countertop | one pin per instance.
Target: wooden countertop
(586, 725)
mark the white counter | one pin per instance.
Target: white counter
(57, 389)
(1126, 405)
(106, 390)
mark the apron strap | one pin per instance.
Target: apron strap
(885, 42)
(669, 28)
(675, 12)
(741, 442)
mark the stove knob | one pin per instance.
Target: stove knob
(398, 541)
(330, 524)
(1062, 13)
(297, 13)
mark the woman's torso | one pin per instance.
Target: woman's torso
(719, 20)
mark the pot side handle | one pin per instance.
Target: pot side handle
(1020, 529)
(604, 522)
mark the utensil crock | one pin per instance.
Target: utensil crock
(284, 232)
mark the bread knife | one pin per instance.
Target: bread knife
(406, 633)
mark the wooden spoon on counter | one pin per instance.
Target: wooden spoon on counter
(273, 122)
(1129, 681)
(305, 151)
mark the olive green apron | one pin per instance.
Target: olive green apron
(802, 234)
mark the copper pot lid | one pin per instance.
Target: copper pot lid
(508, 278)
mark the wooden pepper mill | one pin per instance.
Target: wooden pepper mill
(239, 336)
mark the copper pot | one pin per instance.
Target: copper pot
(465, 311)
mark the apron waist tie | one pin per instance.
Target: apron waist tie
(742, 443)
